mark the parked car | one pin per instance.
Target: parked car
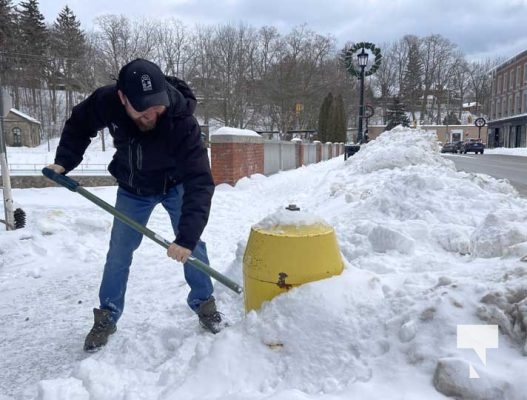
(449, 147)
(458, 144)
(472, 145)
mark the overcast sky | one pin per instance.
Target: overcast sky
(481, 28)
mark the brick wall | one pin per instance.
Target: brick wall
(235, 156)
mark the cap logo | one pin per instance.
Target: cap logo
(146, 82)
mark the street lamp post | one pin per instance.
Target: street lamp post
(362, 58)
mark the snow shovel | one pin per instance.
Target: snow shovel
(74, 186)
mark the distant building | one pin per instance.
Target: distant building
(21, 130)
(508, 108)
(473, 107)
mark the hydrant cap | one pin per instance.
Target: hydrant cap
(285, 222)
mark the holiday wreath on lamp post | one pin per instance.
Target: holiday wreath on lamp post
(348, 58)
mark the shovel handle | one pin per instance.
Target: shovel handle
(74, 186)
(62, 180)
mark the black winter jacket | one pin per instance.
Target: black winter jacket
(148, 163)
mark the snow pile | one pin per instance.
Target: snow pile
(399, 149)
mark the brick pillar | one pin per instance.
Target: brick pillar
(318, 151)
(299, 154)
(235, 156)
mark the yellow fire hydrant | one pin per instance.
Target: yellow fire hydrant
(287, 249)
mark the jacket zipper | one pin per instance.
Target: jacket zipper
(131, 163)
(139, 161)
(165, 184)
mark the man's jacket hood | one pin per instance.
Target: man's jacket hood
(181, 97)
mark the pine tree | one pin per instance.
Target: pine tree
(67, 48)
(411, 90)
(6, 23)
(324, 119)
(7, 40)
(332, 124)
(396, 115)
(33, 41)
(32, 61)
(340, 125)
(451, 119)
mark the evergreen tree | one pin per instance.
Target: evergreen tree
(451, 119)
(67, 48)
(6, 23)
(339, 117)
(332, 120)
(396, 115)
(324, 119)
(33, 42)
(32, 60)
(411, 90)
(7, 38)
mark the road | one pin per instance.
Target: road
(513, 168)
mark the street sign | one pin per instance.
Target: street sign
(480, 122)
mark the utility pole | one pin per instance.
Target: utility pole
(447, 134)
(6, 180)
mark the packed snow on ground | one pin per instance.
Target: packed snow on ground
(425, 249)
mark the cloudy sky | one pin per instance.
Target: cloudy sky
(480, 28)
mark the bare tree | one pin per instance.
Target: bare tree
(460, 83)
(386, 81)
(202, 76)
(268, 52)
(480, 82)
(297, 78)
(233, 53)
(173, 47)
(437, 58)
(121, 40)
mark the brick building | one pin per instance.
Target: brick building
(508, 107)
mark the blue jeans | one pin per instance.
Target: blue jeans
(125, 240)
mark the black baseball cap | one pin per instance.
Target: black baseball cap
(144, 84)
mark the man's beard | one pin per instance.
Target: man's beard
(145, 126)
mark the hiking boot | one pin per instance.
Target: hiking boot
(209, 317)
(103, 327)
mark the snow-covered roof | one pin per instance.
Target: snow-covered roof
(23, 115)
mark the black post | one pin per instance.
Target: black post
(361, 105)
(363, 59)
